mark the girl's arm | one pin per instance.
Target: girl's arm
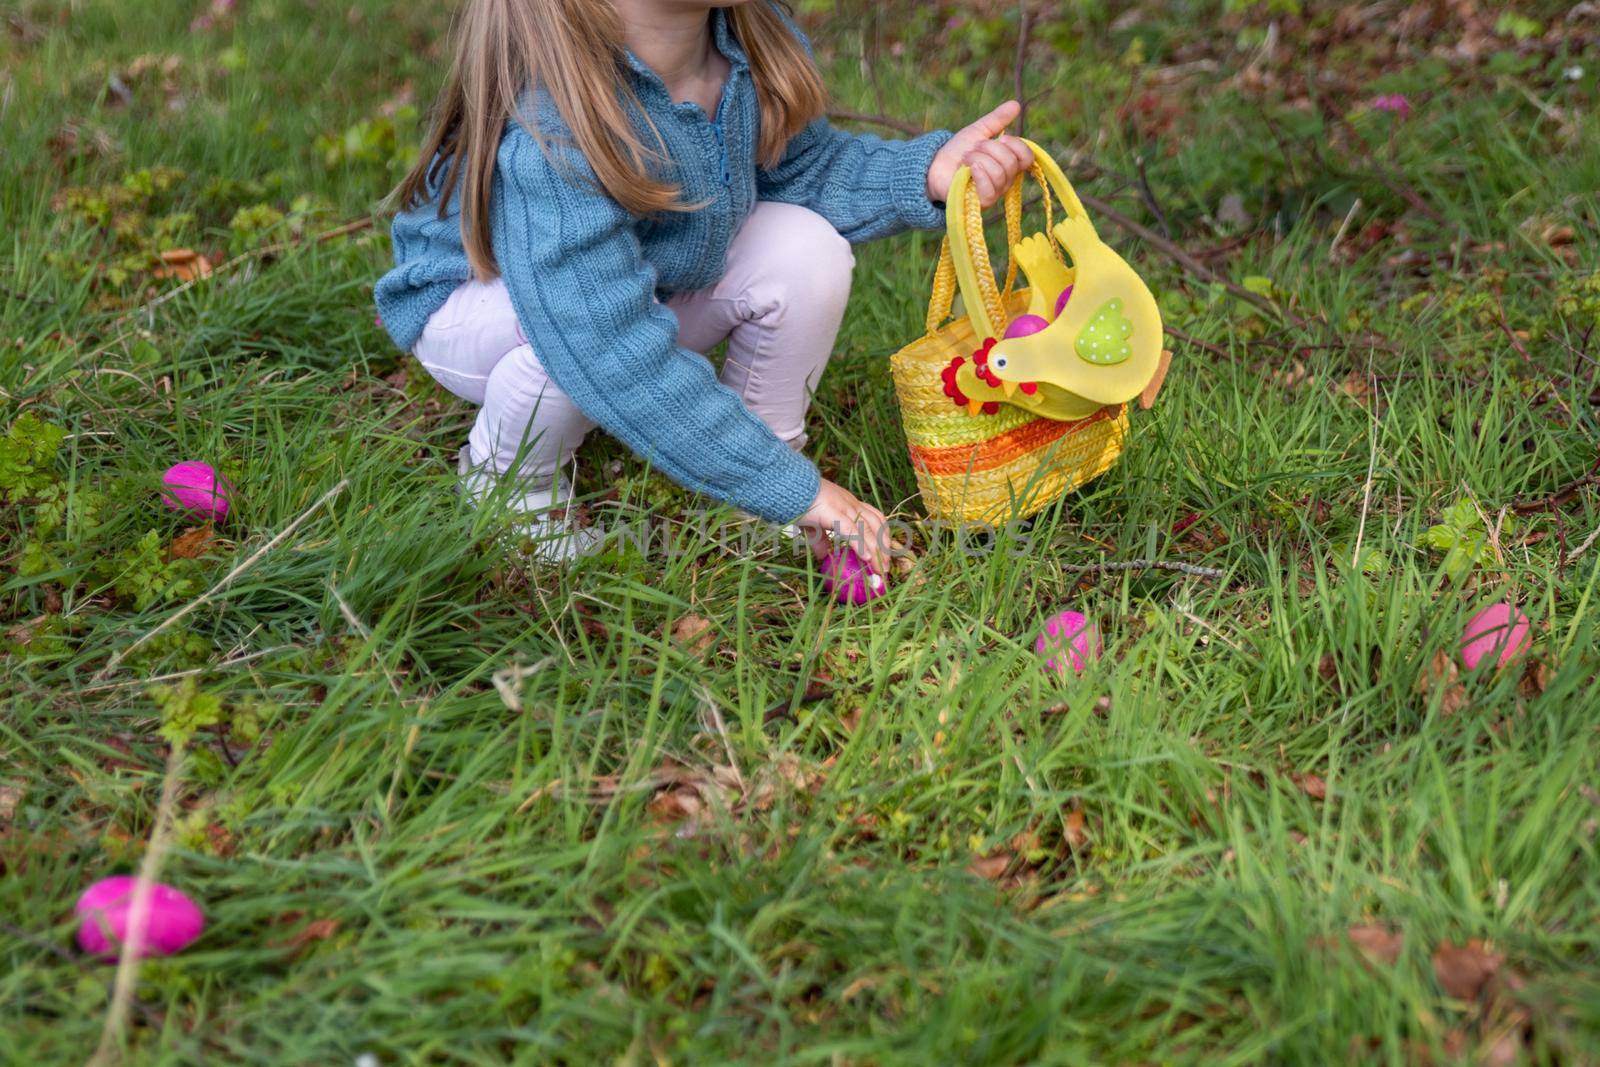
(865, 186)
(586, 298)
(868, 187)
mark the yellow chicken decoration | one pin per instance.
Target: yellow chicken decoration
(1091, 336)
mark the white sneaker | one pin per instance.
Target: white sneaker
(554, 537)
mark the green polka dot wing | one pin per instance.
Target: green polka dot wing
(1104, 340)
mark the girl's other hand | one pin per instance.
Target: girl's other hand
(996, 159)
(836, 511)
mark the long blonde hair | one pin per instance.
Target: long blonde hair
(573, 50)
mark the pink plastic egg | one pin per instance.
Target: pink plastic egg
(1070, 632)
(1061, 301)
(1025, 325)
(1499, 633)
(171, 924)
(847, 577)
(195, 486)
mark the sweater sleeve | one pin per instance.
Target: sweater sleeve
(585, 297)
(866, 186)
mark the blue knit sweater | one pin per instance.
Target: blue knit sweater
(585, 276)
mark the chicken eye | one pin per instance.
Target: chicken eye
(1000, 364)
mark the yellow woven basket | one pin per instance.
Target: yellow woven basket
(1010, 464)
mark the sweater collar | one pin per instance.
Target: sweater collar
(722, 35)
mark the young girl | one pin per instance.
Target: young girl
(613, 187)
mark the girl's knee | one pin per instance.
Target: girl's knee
(804, 258)
(525, 413)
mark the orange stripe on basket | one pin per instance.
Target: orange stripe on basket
(1002, 448)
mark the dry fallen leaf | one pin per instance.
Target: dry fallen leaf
(1443, 674)
(1357, 387)
(1503, 1049)
(787, 774)
(693, 795)
(182, 264)
(992, 867)
(1312, 786)
(192, 544)
(1535, 678)
(859, 986)
(694, 632)
(21, 634)
(850, 717)
(1293, 376)
(221, 840)
(316, 930)
(1463, 970)
(1073, 832)
(1378, 944)
(677, 805)
(10, 797)
(589, 620)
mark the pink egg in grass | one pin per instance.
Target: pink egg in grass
(1499, 633)
(195, 486)
(1025, 326)
(1061, 301)
(172, 922)
(1070, 632)
(847, 576)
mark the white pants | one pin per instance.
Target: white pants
(778, 306)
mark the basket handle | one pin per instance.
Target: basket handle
(964, 258)
(946, 278)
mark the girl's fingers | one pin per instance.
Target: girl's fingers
(1019, 151)
(1011, 161)
(876, 553)
(995, 122)
(865, 532)
(988, 175)
(817, 541)
(1005, 164)
(999, 167)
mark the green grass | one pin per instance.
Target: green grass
(938, 853)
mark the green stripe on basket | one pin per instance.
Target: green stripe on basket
(943, 431)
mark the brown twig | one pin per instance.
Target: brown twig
(815, 690)
(25, 297)
(1511, 335)
(1204, 346)
(870, 62)
(1184, 259)
(1017, 75)
(1391, 181)
(1563, 496)
(900, 125)
(1148, 195)
(1152, 565)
